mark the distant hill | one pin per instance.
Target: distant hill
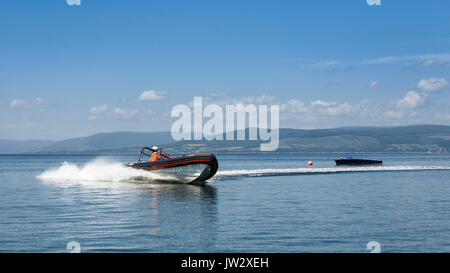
(21, 146)
(105, 141)
(404, 139)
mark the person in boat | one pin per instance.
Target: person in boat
(157, 154)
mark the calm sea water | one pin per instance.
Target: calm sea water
(256, 203)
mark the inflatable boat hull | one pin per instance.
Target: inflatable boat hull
(194, 168)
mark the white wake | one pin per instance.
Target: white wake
(104, 169)
(299, 171)
(100, 169)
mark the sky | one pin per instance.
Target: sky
(107, 65)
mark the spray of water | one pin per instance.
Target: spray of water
(100, 169)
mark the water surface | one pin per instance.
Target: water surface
(248, 206)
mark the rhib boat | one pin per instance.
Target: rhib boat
(194, 168)
(357, 162)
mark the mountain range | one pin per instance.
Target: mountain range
(402, 139)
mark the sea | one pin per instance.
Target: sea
(255, 203)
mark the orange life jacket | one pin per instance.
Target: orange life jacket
(158, 156)
(155, 156)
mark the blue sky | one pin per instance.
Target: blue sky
(69, 71)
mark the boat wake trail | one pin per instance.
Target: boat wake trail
(104, 169)
(100, 169)
(304, 171)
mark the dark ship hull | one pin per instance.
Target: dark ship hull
(357, 162)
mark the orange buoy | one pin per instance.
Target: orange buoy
(310, 163)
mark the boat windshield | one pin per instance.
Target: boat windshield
(146, 151)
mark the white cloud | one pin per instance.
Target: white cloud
(442, 116)
(340, 109)
(324, 64)
(321, 109)
(152, 95)
(294, 106)
(424, 58)
(419, 59)
(223, 99)
(92, 117)
(21, 102)
(412, 114)
(367, 109)
(332, 113)
(16, 103)
(432, 84)
(398, 114)
(429, 62)
(412, 99)
(393, 114)
(125, 113)
(263, 99)
(374, 84)
(322, 103)
(98, 109)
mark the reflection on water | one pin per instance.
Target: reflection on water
(181, 216)
(182, 192)
(190, 206)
